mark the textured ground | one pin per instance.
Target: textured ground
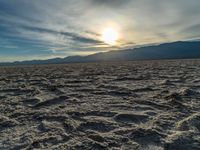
(150, 105)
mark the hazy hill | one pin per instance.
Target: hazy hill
(176, 50)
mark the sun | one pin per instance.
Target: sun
(110, 36)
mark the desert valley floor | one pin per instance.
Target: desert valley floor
(139, 105)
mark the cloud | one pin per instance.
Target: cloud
(111, 3)
(190, 32)
(73, 36)
(65, 27)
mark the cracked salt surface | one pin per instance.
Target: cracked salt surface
(140, 105)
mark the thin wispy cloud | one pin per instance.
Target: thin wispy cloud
(50, 28)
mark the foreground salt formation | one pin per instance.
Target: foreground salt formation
(149, 105)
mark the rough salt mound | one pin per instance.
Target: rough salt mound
(146, 105)
(6, 122)
(183, 141)
(130, 118)
(190, 123)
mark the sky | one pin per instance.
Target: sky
(42, 29)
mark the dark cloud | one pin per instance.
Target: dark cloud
(191, 32)
(113, 3)
(192, 29)
(73, 36)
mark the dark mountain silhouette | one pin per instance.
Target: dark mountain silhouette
(175, 50)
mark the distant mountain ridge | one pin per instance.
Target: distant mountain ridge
(175, 50)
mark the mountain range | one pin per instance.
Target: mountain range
(175, 50)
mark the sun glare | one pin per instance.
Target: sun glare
(110, 36)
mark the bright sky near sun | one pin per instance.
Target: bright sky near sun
(110, 36)
(41, 29)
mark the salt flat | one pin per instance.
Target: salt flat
(139, 105)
